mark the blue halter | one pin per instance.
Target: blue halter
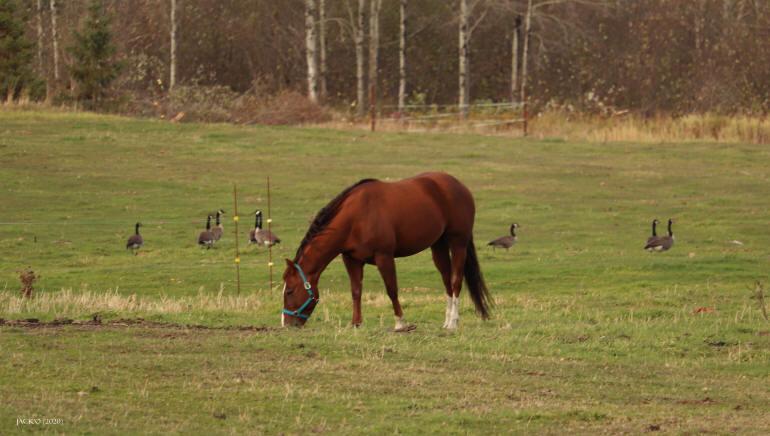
(298, 313)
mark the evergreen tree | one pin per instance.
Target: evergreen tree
(94, 67)
(15, 54)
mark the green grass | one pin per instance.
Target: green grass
(590, 333)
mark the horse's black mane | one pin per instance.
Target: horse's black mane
(326, 214)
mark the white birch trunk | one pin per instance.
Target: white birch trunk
(402, 60)
(40, 37)
(524, 62)
(322, 46)
(360, 77)
(525, 54)
(172, 66)
(310, 51)
(55, 43)
(515, 59)
(374, 47)
(463, 59)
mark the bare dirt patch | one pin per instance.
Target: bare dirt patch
(96, 322)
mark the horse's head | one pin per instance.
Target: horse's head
(300, 295)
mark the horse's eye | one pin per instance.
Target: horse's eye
(289, 291)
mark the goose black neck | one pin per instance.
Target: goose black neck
(218, 218)
(258, 222)
(670, 233)
(136, 228)
(208, 223)
(513, 230)
(653, 228)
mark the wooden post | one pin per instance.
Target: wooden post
(237, 252)
(269, 229)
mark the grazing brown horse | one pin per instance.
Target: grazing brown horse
(374, 222)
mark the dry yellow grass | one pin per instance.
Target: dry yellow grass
(69, 303)
(574, 127)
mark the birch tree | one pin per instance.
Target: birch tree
(402, 57)
(322, 46)
(374, 48)
(463, 58)
(40, 37)
(357, 23)
(172, 63)
(535, 11)
(525, 54)
(465, 31)
(55, 44)
(310, 51)
(515, 58)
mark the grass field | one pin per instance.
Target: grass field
(590, 333)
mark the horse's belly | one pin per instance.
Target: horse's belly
(411, 242)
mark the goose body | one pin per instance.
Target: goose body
(652, 240)
(206, 238)
(661, 243)
(260, 236)
(135, 241)
(506, 241)
(218, 230)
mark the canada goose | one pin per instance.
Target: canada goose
(506, 241)
(661, 243)
(259, 236)
(218, 231)
(206, 238)
(135, 241)
(654, 236)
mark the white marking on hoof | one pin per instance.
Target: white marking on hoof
(448, 311)
(454, 315)
(403, 326)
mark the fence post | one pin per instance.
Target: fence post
(270, 230)
(237, 252)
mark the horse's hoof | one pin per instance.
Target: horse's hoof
(354, 325)
(405, 328)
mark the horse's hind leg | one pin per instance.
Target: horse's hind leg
(387, 266)
(458, 250)
(356, 273)
(441, 259)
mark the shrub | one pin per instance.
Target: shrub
(202, 103)
(284, 108)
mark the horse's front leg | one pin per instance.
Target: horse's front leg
(356, 273)
(387, 266)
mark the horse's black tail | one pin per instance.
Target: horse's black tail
(475, 281)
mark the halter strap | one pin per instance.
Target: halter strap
(309, 288)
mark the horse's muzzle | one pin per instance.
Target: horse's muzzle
(291, 321)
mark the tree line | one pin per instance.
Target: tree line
(647, 56)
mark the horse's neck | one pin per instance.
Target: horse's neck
(320, 251)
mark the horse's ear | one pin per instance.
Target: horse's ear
(289, 263)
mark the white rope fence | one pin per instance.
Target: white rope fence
(453, 117)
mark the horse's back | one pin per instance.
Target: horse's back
(424, 190)
(407, 216)
(453, 196)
